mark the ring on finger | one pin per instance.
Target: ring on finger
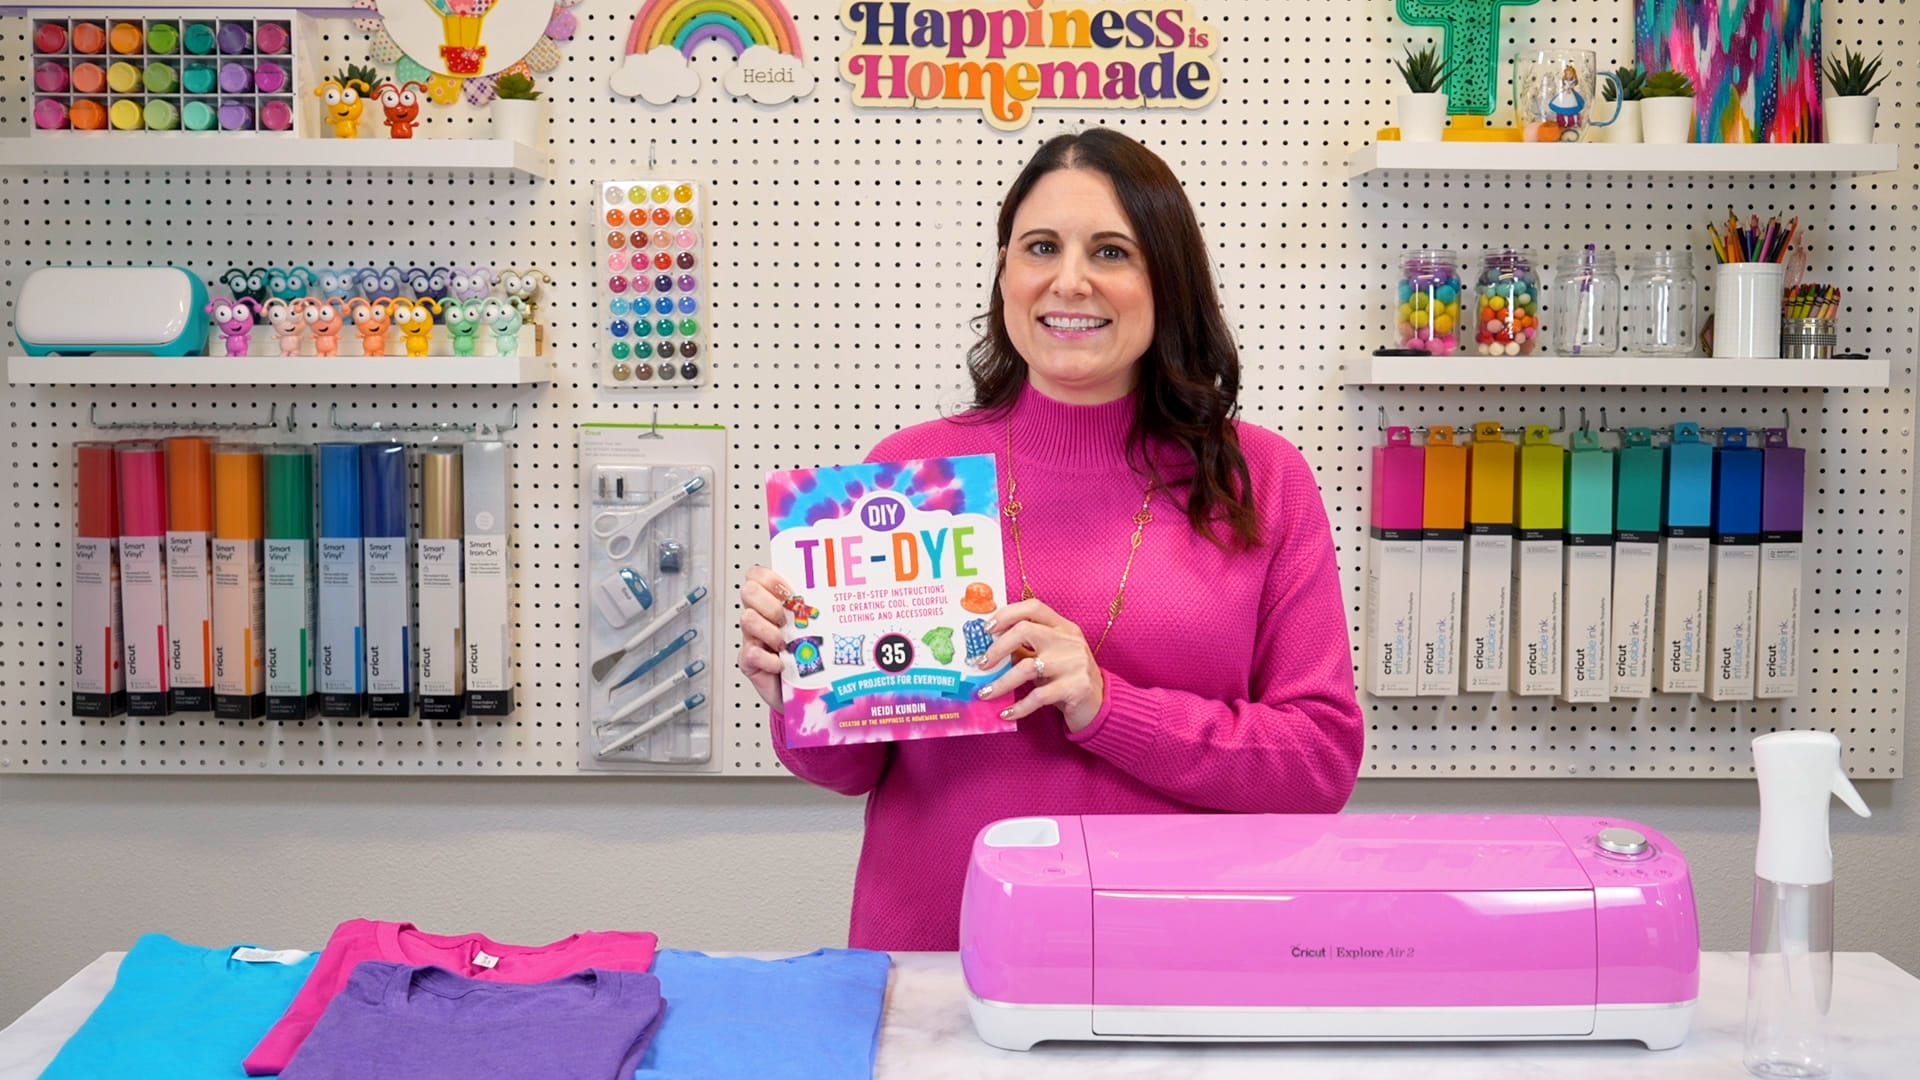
(1039, 668)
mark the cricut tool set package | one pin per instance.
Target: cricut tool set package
(651, 514)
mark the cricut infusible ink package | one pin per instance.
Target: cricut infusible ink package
(652, 519)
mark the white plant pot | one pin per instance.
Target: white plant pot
(1850, 119)
(1625, 129)
(520, 121)
(1666, 120)
(1423, 117)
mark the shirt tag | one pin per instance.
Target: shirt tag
(267, 956)
(481, 959)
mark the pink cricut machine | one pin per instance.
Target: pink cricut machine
(1348, 927)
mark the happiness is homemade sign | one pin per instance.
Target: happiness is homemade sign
(1007, 59)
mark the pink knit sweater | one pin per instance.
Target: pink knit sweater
(1229, 675)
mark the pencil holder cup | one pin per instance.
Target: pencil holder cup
(1807, 339)
(1746, 310)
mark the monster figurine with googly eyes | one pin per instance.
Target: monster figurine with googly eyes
(248, 284)
(234, 319)
(463, 324)
(287, 321)
(401, 106)
(503, 319)
(291, 283)
(475, 283)
(372, 319)
(522, 288)
(375, 284)
(325, 320)
(430, 283)
(415, 320)
(338, 284)
(344, 104)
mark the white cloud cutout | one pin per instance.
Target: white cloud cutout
(661, 76)
(768, 76)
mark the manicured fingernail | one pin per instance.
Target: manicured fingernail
(987, 690)
(1006, 714)
(991, 619)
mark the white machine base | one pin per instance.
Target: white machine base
(1020, 1027)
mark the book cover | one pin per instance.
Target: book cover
(894, 568)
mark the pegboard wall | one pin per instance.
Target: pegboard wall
(849, 250)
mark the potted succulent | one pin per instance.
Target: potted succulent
(1850, 110)
(1633, 84)
(517, 110)
(1666, 108)
(1423, 108)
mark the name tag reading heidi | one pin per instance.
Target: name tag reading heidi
(894, 568)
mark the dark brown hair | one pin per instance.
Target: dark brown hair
(1189, 385)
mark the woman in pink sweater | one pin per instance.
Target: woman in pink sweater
(1182, 635)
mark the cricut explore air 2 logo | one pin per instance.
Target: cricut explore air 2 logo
(1009, 58)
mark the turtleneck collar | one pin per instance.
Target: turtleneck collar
(1073, 438)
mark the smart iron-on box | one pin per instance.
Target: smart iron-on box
(1348, 927)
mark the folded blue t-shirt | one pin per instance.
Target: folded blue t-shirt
(177, 1012)
(815, 1017)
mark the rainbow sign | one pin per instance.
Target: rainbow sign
(740, 24)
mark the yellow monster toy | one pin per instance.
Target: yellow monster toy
(344, 105)
(415, 320)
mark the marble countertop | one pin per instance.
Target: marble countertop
(927, 1036)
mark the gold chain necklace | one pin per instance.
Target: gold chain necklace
(1011, 508)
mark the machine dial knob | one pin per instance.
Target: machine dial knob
(1627, 842)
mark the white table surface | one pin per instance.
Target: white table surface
(927, 1036)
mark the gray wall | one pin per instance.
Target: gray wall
(87, 863)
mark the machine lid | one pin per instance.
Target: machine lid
(1265, 853)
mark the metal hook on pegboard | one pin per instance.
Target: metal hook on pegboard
(471, 428)
(1558, 429)
(654, 431)
(272, 421)
(652, 144)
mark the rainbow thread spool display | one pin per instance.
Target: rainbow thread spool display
(1429, 315)
(1507, 298)
(651, 260)
(197, 71)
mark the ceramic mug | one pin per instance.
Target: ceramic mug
(1552, 91)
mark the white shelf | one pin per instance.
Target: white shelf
(276, 370)
(207, 150)
(1512, 157)
(1702, 371)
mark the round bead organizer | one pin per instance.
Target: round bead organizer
(652, 268)
(134, 74)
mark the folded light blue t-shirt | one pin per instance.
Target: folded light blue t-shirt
(177, 1012)
(815, 1017)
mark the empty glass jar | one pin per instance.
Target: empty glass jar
(1663, 303)
(1586, 304)
(1507, 306)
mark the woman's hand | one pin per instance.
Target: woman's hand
(761, 617)
(1053, 657)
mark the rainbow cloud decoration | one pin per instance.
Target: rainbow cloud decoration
(769, 60)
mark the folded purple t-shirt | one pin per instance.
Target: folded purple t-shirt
(427, 1023)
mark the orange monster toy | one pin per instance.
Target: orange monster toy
(372, 320)
(401, 106)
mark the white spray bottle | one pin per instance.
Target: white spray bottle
(1790, 952)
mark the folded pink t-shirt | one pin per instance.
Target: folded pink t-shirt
(472, 955)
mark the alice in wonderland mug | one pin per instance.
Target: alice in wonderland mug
(1552, 92)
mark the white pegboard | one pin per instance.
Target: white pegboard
(849, 250)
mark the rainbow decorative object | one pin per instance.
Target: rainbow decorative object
(458, 48)
(769, 59)
(1755, 64)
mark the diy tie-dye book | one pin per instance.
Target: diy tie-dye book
(894, 568)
